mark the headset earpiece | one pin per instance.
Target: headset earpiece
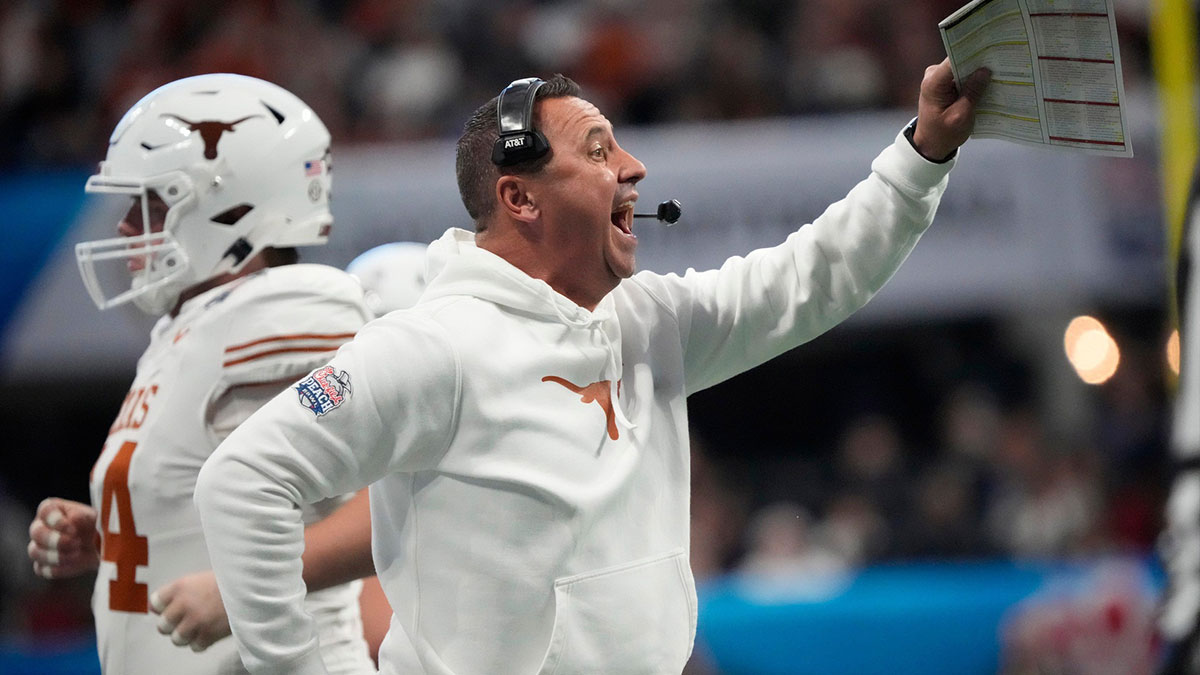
(519, 141)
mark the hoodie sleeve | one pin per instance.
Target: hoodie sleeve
(387, 402)
(757, 307)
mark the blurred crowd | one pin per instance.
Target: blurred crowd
(380, 70)
(989, 471)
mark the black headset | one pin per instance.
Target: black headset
(519, 141)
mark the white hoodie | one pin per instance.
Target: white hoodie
(531, 506)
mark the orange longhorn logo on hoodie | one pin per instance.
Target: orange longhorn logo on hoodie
(600, 392)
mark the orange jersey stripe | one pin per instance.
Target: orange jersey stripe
(281, 350)
(297, 336)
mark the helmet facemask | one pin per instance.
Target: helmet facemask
(150, 268)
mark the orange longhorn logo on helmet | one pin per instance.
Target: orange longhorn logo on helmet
(210, 131)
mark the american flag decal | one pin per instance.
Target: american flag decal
(314, 167)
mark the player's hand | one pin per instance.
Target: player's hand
(62, 539)
(191, 611)
(946, 116)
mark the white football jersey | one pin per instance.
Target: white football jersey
(228, 350)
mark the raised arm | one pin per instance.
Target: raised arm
(945, 115)
(755, 308)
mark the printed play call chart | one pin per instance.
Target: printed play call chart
(1056, 71)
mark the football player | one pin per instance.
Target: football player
(224, 175)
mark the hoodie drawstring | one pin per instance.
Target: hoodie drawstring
(614, 384)
(614, 388)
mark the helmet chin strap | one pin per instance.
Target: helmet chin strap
(238, 251)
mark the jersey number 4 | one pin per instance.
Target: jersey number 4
(123, 547)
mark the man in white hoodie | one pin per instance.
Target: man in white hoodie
(524, 427)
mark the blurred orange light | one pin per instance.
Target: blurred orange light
(1173, 351)
(1091, 351)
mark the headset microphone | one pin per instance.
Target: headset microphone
(668, 212)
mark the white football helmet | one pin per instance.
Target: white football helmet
(393, 275)
(241, 164)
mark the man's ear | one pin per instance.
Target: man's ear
(516, 200)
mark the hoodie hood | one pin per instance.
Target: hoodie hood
(456, 266)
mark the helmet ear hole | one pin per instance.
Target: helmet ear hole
(239, 250)
(232, 215)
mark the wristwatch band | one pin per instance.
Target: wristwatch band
(910, 130)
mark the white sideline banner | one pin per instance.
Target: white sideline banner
(1020, 228)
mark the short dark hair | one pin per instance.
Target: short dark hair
(473, 166)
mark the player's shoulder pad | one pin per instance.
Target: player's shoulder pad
(299, 283)
(291, 312)
(293, 288)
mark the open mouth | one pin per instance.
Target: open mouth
(622, 218)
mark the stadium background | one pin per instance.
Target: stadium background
(930, 487)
